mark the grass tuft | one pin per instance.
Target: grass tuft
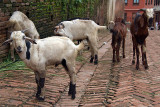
(9, 65)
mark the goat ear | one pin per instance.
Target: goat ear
(143, 9)
(141, 22)
(7, 41)
(31, 40)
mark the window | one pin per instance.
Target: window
(126, 1)
(156, 2)
(151, 1)
(125, 16)
(135, 1)
(148, 2)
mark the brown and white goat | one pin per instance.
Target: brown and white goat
(139, 31)
(119, 32)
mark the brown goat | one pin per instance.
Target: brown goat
(118, 34)
(139, 31)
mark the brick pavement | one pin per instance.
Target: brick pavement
(105, 84)
(136, 88)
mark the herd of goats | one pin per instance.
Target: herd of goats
(38, 53)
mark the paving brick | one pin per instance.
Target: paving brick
(105, 84)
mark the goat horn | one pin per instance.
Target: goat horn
(56, 27)
(31, 40)
(7, 41)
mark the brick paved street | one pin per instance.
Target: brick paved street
(105, 84)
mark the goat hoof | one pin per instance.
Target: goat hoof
(146, 67)
(73, 96)
(69, 93)
(143, 63)
(137, 67)
(91, 61)
(95, 62)
(113, 61)
(37, 95)
(133, 62)
(124, 56)
(41, 98)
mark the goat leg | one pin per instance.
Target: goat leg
(123, 48)
(37, 82)
(70, 89)
(113, 46)
(38, 89)
(12, 52)
(117, 52)
(137, 53)
(42, 89)
(142, 50)
(96, 60)
(146, 64)
(114, 60)
(91, 60)
(73, 91)
(133, 61)
(144, 55)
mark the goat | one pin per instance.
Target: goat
(111, 25)
(139, 31)
(39, 53)
(119, 32)
(79, 30)
(18, 22)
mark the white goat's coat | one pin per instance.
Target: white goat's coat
(79, 30)
(49, 51)
(18, 22)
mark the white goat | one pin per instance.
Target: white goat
(18, 22)
(39, 53)
(79, 29)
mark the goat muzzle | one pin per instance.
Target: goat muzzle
(19, 49)
(150, 22)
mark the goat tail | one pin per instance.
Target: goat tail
(102, 27)
(80, 46)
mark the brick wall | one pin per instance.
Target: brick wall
(131, 8)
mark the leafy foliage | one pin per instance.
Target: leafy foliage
(68, 8)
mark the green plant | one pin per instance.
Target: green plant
(8, 64)
(80, 59)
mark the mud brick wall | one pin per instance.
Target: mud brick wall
(44, 13)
